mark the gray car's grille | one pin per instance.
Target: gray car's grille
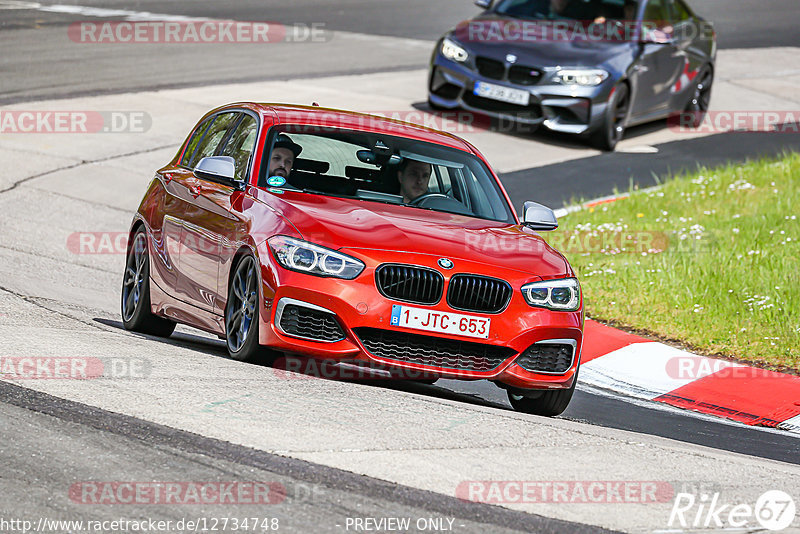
(547, 358)
(409, 283)
(311, 324)
(524, 75)
(432, 351)
(491, 68)
(471, 292)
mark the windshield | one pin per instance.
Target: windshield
(375, 167)
(591, 10)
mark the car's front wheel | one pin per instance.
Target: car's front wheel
(548, 403)
(136, 312)
(241, 311)
(612, 129)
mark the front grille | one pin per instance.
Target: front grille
(471, 292)
(524, 75)
(309, 323)
(432, 351)
(409, 283)
(491, 68)
(531, 111)
(553, 358)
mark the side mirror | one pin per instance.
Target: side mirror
(485, 4)
(220, 169)
(655, 36)
(538, 217)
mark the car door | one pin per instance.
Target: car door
(176, 198)
(214, 224)
(660, 62)
(199, 249)
(690, 40)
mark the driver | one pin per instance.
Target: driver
(284, 152)
(413, 177)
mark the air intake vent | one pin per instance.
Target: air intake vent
(308, 323)
(470, 292)
(432, 351)
(550, 358)
(409, 283)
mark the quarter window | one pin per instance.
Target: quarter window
(241, 144)
(192, 145)
(211, 139)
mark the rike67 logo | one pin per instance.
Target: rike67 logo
(774, 510)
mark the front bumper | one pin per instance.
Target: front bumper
(360, 309)
(568, 109)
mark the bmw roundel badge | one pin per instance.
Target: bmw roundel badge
(445, 263)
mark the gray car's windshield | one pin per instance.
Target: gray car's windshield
(390, 169)
(592, 10)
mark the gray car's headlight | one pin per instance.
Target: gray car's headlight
(562, 295)
(305, 257)
(453, 52)
(583, 77)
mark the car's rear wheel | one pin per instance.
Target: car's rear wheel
(698, 105)
(241, 311)
(136, 311)
(548, 403)
(612, 129)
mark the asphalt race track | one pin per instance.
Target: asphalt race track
(335, 450)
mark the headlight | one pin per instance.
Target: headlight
(584, 77)
(306, 257)
(561, 295)
(452, 51)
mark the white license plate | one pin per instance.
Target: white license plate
(501, 93)
(444, 322)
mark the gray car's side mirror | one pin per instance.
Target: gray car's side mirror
(220, 169)
(485, 4)
(538, 217)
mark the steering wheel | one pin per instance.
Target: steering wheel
(422, 198)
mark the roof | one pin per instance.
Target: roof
(315, 115)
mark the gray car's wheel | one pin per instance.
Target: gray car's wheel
(612, 129)
(241, 311)
(136, 312)
(548, 403)
(698, 105)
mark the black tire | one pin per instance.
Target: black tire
(242, 311)
(135, 306)
(698, 104)
(548, 403)
(612, 130)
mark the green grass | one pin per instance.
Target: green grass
(712, 261)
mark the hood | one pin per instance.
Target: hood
(537, 43)
(340, 223)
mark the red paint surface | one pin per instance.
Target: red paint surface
(745, 394)
(599, 340)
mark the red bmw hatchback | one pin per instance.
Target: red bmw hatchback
(350, 237)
